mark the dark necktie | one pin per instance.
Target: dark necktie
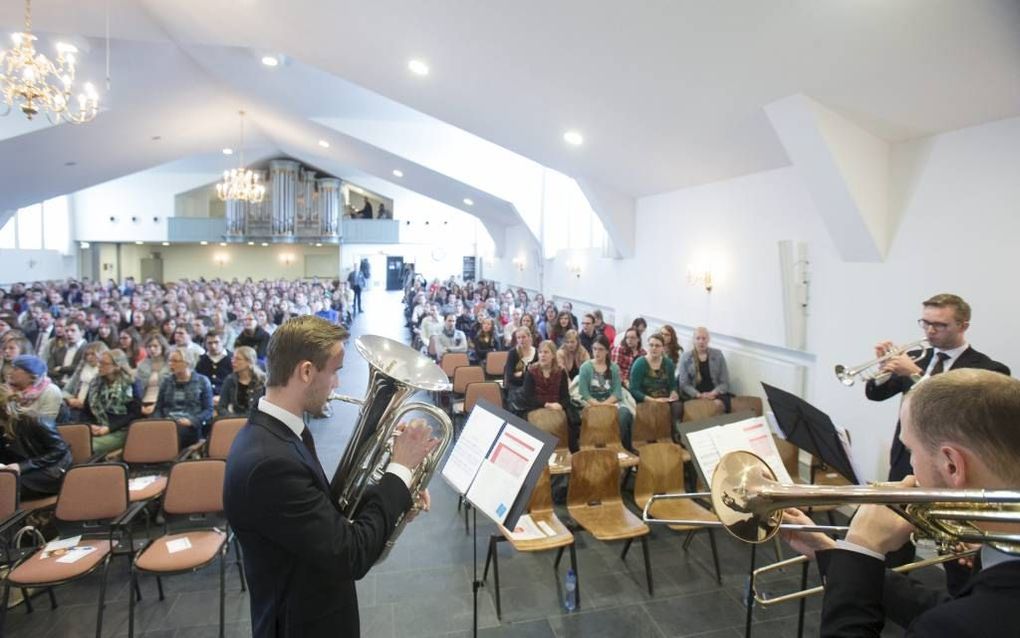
(306, 438)
(940, 365)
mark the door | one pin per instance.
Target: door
(394, 273)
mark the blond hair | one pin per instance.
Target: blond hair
(304, 338)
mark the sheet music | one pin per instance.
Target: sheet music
(503, 471)
(469, 452)
(750, 435)
(526, 529)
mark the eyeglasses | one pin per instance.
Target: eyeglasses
(935, 325)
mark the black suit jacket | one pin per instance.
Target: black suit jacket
(860, 593)
(300, 554)
(899, 457)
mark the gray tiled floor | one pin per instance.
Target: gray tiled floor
(424, 588)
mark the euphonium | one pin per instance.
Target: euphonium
(396, 372)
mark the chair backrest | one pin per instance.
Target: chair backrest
(93, 493)
(78, 437)
(453, 360)
(9, 488)
(151, 441)
(464, 375)
(697, 409)
(487, 390)
(600, 427)
(221, 437)
(652, 422)
(660, 471)
(594, 477)
(790, 454)
(541, 496)
(495, 363)
(195, 487)
(741, 403)
(552, 421)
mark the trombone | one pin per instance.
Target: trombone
(749, 503)
(873, 369)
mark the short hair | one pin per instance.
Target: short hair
(961, 309)
(213, 334)
(187, 354)
(303, 338)
(978, 409)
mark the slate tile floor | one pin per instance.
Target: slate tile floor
(424, 588)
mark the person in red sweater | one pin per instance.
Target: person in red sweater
(546, 386)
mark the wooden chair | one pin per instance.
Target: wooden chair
(600, 427)
(593, 500)
(661, 471)
(495, 364)
(453, 360)
(697, 409)
(541, 511)
(752, 404)
(487, 390)
(11, 518)
(552, 421)
(652, 424)
(222, 434)
(790, 454)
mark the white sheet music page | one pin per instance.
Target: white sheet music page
(479, 432)
(503, 471)
(704, 450)
(751, 435)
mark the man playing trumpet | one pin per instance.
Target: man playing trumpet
(963, 428)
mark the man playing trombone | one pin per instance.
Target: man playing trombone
(963, 428)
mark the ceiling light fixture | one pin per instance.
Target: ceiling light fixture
(139, 243)
(228, 151)
(270, 60)
(204, 243)
(223, 243)
(323, 143)
(468, 201)
(29, 81)
(166, 243)
(251, 243)
(418, 67)
(573, 138)
(241, 184)
(398, 173)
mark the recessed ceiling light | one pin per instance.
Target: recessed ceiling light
(418, 67)
(468, 201)
(264, 244)
(228, 151)
(251, 243)
(573, 138)
(204, 243)
(140, 242)
(398, 173)
(318, 245)
(223, 243)
(166, 243)
(270, 60)
(323, 143)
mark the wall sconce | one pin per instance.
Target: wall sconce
(520, 262)
(700, 275)
(287, 259)
(574, 267)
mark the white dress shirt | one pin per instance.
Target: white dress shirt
(954, 354)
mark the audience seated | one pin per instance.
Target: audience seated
(185, 396)
(588, 332)
(32, 447)
(76, 389)
(625, 353)
(486, 340)
(253, 336)
(244, 386)
(129, 341)
(546, 327)
(599, 383)
(546, 386)
(450, 339)
(571, 355)
(517, 363)
(671, 343)
(34, 393)
(216, 363)
(653, 378)
(557, 331)
(13, 344)
(114, 401)
(703, 373)
(65, 358)
(602, 327)
(152, 371)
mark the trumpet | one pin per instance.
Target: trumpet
(395, 373)
(749, 503)
(873, 369)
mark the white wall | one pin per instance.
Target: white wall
(959, 221)
(520, 244)
(192, 261)
(26, 266)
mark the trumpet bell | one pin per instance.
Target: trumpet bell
(736, 497)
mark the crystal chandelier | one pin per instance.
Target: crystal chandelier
(32, 83)
(241, 183)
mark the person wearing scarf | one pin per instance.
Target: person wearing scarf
(34, 392)
(114, 401)
(32, 447)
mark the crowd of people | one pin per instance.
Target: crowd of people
(107, 354)
(558, 361)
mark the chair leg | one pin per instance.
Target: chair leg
(53, 598)
(495, 576)
(577, 579)
(223, 588)
(131, 605)
(688, 539)
(488, 557)
(159, 586)
(715, 555)
(138, 591)
(240, 564)
(102, 598)
(3, 608)
(559, 555)
(28, 601)
(648, 564)
(626, 548)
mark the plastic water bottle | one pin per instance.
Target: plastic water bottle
(570, 597)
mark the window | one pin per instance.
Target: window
(7, 233)
(25, 229)
(569, 223)
(56, 221)
(30, 228)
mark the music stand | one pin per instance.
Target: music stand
(810, 429)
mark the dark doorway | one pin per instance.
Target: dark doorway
(394, 273)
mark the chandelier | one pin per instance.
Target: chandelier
(240, 183)
(32, 83)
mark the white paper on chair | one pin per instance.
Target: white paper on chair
(140, 483)
(469, 452)
(76, 554)
(178, 545)
(66, 543)
(546, 529)
(526, 529)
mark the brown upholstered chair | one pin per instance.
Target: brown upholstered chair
(661, 471)
(593, 500)
(752, 404)
(150, 448)
(462, 377)
(540, 508)
(192, 510)
(11, 517)
(453, 360)
(553, 422)
(93, 503)
(222, 434)
(78, 437)
(495, 364)
(697, 409)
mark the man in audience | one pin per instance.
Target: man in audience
(961, 427)
(182, 339)
(44, 329)
(216, 363)
(356, 280)
(199, 329)
(68, 357)
(431, 325)
(253, 336)
(588, 332)
(466, 322)
(602, 327)
(450, 339)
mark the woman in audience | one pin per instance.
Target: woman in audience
(571, 355)
(671, 343)
(703, 373)
(76, 390)
(14, 345)
(107, 333)
(166, 329)
(599, 383)
(129, 342)
(653, 378)
(528, 321)
(141, 322)
(114, 401)
(625, 353)
(31, 447)
(546, 386)
(557, 332)
(152, 371)
(602, 327)
(511, 326)
(486, 340)
(34, 392)
(244, 386)
(545, 326)
(185, 396)
(517, 362)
